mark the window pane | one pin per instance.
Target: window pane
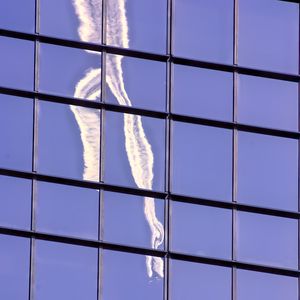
(267, 171)
(16, 116)
(15, 202)
(268, 35)
(199, 281)
(70, 72)
(134, 151)
(17, 63)
(68, 147)
(202, 161)
(203, 29)
(268, 102)
(137, 24)
(133, 220)
(201, 230)
(132, 276)
(65, 271)
(14, 271)
(203, 93)
(59, 207)
(139, 82)
(267, 240)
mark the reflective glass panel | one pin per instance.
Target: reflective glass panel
(201, 230)
(14, 271)
(17, 63)
(268, 102)
(202, 161)
(202, 93)
(267, 171)
(16, 116)
(15, 202)
(70, 72)
(199, 281)
(60, 207)
(137, 24)
(68, 147)
(134, 151)
(138, 82)
(267, 240)
(64, 271)
(268, 35)
(203, 29)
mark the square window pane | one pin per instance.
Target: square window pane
(15, 202)
(268, 35)
(16, 116)
(203, 93)
(133, 220)
(267, 171)
(137, 24)
(267, 240)
(201, 230)
(17, 63)
(203, 30)
(70, 146)
(70, 72)
(268, 102)
(138, 82)
(202, 161)
(64, 271)
(134, 151)
(59, 207)
(199, 281)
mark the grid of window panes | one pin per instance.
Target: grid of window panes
(149, 149)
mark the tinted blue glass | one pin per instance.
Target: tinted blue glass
(16, 116)
(202, 161)
(15, 202)
(201, 230)
(267, 171)
(203, 29)
(198, 281)
(14, 271)
(203, 92)
(268, 102)
(67, 210)
(267, 240)
(17, 63)
(64, 271)
(134, 151)
(268, 35)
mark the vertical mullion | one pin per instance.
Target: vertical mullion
(298, 150)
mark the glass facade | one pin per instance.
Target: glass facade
(149, 149)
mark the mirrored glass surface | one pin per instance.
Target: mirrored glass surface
(267, 171)
(137, 24)
(134, 151)
(67, 210)
(203, 30)
(14, 271)
(201, 230)
(268, 102)
(135, 82)
(16, 116)
(261, 286)
(202, 161)
(267, 240)
(203, 93)
(17, 63)
(68, 147)
(268, 35)
(193, 281)
(70, 72)
(15, 202)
